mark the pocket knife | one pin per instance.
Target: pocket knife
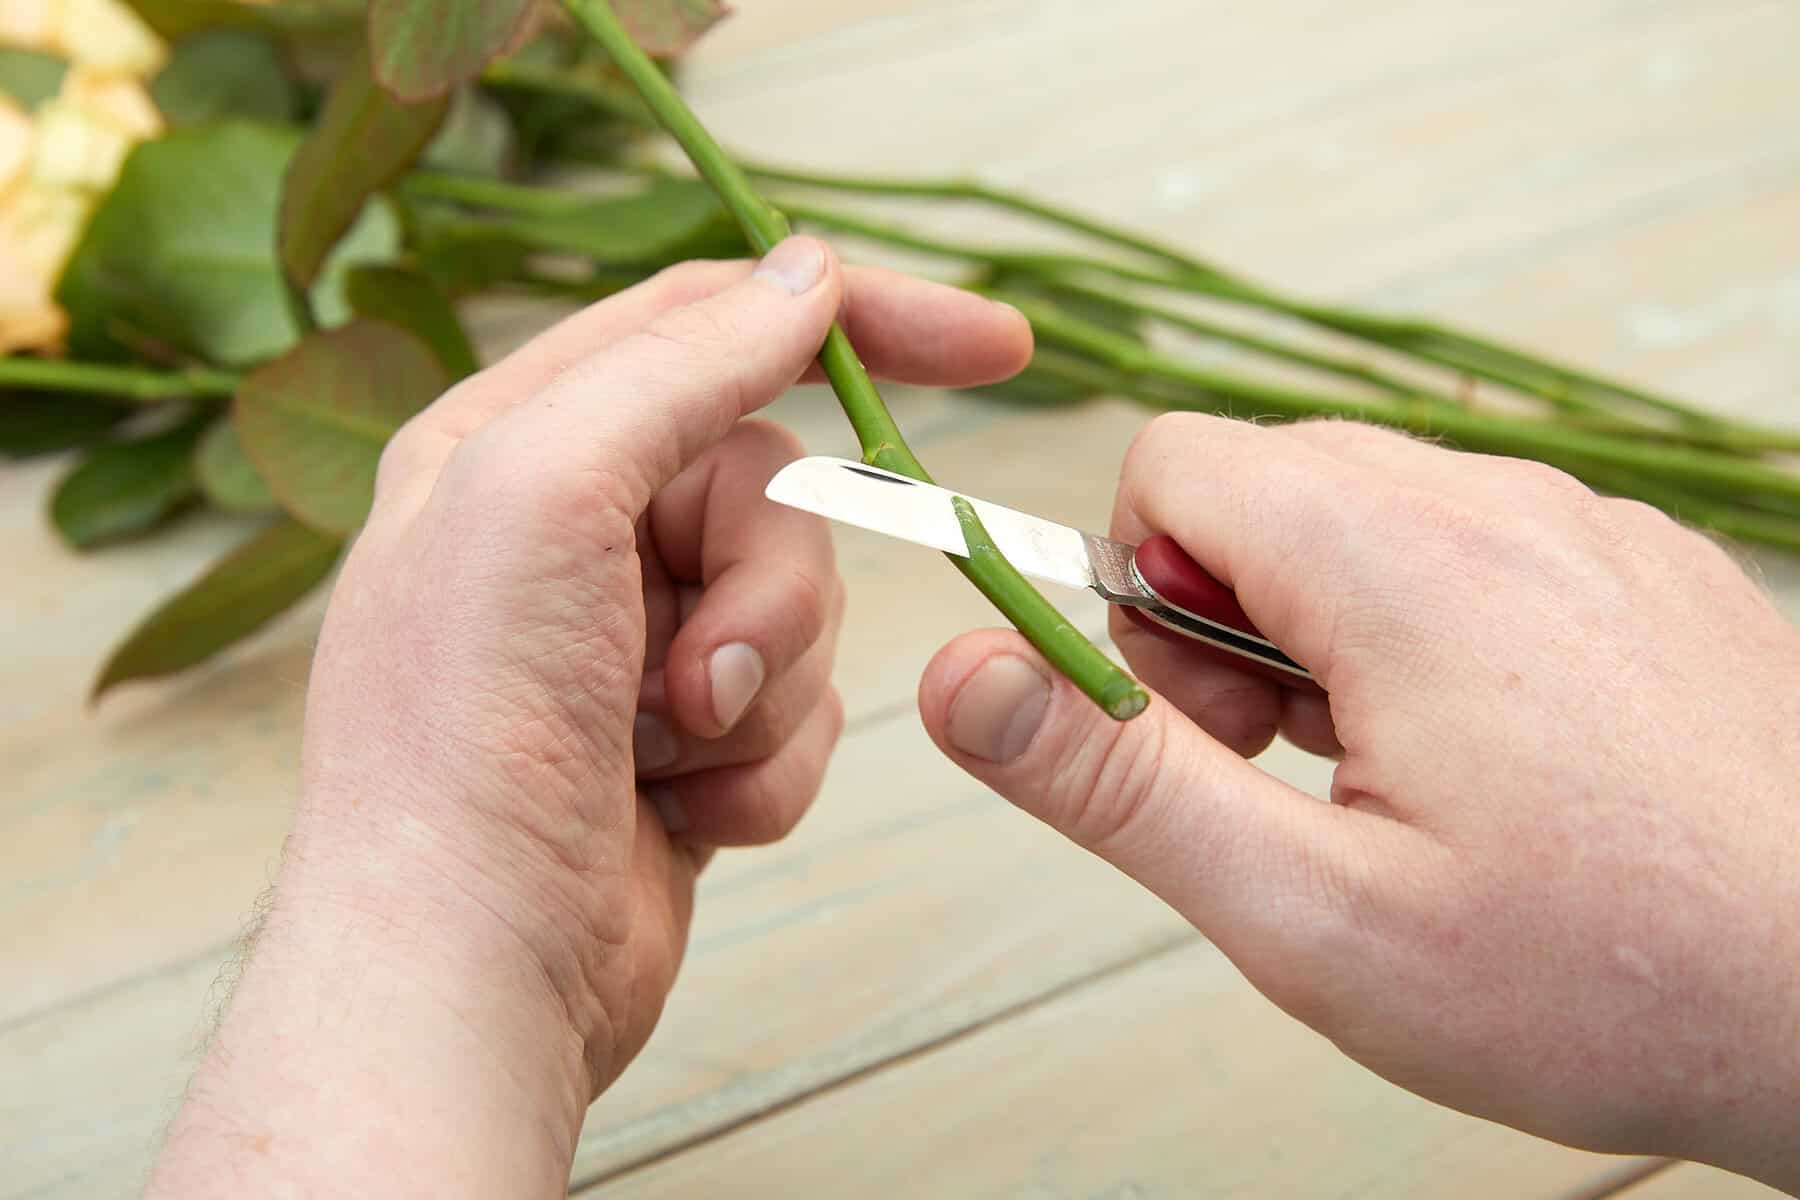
(1160, 587)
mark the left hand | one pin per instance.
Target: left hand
(573, 647)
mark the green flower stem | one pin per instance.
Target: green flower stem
(954, 189)
(1067, 271)
(1069, 652)
(882, 442)
(138, 385)
(479, 191)
(1721, 436)
(1561, 385)
(1329, 364)
(1731, 516)
(1477, 431)
(1729, 437)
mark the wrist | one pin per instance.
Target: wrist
(359, 1008)
(480, 890)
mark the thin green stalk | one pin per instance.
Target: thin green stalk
(882, 442)
(480, 191)
(1061, 269)
(138, 385)
(1733, 517)
(1562, 385)
(1329, 364)
(1068, 651)
(1722, 437)
(955, 189)
(1479, 431)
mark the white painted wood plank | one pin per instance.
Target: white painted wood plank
(1686, 1181)
(1172, 1078)
(1613, 181)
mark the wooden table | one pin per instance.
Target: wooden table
(922, 992)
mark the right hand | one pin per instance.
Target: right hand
(1559, 880)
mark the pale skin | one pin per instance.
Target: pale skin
(1552, 888)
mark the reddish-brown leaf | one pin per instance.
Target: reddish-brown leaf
(363, 140)
(314, 420)
(665, 28)
(238, 595)
(423, 48)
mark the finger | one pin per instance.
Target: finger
(912, 330)
(664, 599)
(1401, 457)
(905, 329)
(611, 430)
(1285, 525)
(662, 880)
(662, 749)
(1306, 721)
(1260, 868)
(1239, 710)
(768, 573)
(758, 803)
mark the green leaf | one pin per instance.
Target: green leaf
(409, 299)
(668, 27)
(237, 596)
(463, 256)
(30, 77)
(125, 488)
(181, 254)
(423, 48)
(33, 423)
(314, 421)
(227, 477)
(646, 226)
(363, 140)
(222, 73)
(476, 138)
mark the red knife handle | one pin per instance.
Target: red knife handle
(1188, 605)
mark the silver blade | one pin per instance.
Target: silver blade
(918, 512)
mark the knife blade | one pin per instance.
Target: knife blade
(1162, 587)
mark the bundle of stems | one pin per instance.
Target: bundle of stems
(1110, 326)
(1123, 316)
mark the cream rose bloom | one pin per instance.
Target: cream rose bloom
(57, 162)
(104, 35)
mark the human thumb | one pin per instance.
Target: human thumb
(1242, 855)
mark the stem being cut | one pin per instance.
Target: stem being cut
(882, 442)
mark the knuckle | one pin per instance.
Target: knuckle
(779, 438)
(683, 277)
(766, 728)
(1244, 719)
(1528, 474)
(836, 715)
(808, 603)
(769, 811)
(1333, 433)
(490, 486)
(1112, 782)
(692, 331)
(404, 455)
(1163, 434)
(1443, 526)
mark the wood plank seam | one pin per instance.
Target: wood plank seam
(1624, 1181)
(779, 1103)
